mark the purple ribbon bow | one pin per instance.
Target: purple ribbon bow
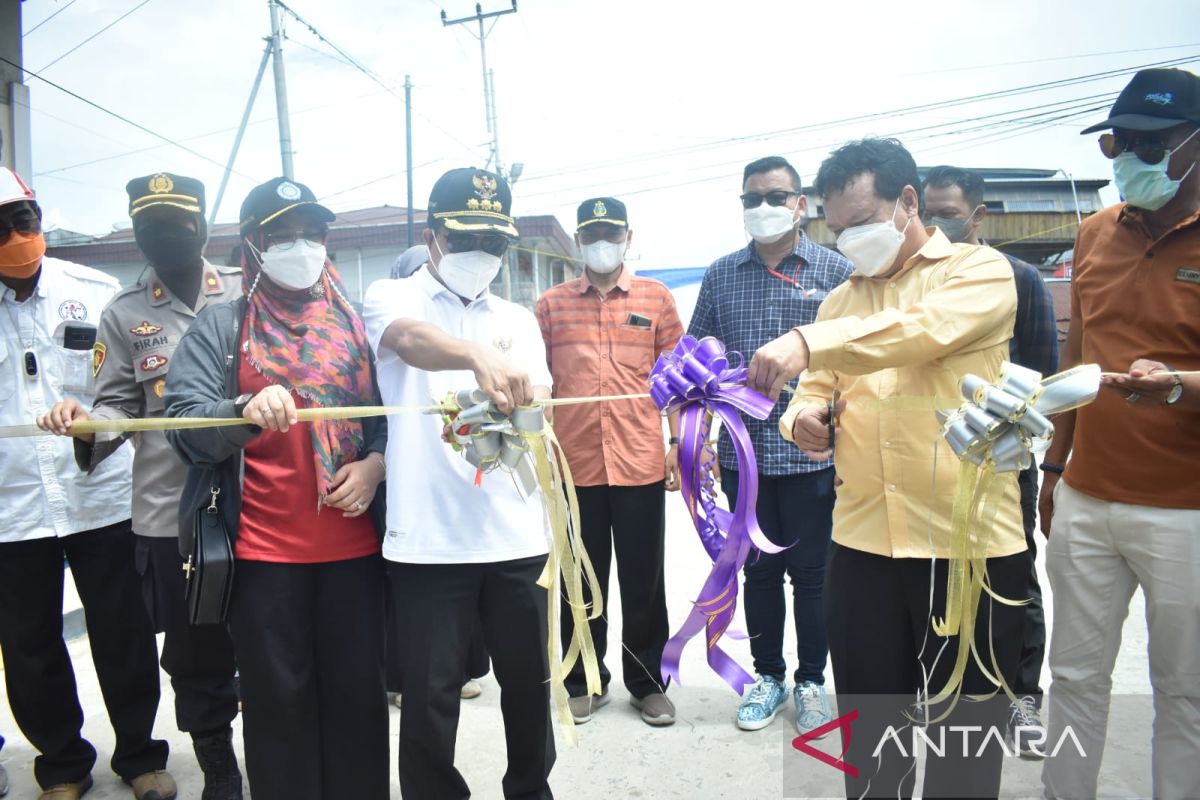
(697, 380)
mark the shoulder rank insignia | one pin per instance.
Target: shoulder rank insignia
(99, 351)
(153, 362)
(145, 329)
(160, 386)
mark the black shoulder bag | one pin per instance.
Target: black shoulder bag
(209, 567)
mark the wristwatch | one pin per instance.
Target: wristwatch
(240, 402)
(673, 440)
(1175, 391)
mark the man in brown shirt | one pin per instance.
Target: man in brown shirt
(603, 332)
(1127, 510)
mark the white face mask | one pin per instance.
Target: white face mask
(603, 257)
(767, 224)
(467, 274)
(294, 266)
(872, 248)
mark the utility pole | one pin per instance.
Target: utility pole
(489, 94)
(237, 140)
(281, 103)
(408, 152)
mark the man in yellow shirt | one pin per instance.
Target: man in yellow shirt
(917, 314)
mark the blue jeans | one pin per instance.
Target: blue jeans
(795, 510)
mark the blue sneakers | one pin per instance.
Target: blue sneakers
(812, 707)
(761, 703)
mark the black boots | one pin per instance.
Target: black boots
(218, 762)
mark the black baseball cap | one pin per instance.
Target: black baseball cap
(601, 209)
(165, 189)
(473, 200)
(277, 196)
(1154, 100)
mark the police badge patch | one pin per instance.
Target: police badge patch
(153, 362)
(99, 352)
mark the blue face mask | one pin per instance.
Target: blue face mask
(1147, 185)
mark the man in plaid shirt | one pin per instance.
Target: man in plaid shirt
(747, 299)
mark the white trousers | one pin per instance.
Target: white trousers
(1098, 554)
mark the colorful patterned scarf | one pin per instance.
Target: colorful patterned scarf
(315, 347)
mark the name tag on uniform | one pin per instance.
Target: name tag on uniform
(638, 321)
(1189, 274)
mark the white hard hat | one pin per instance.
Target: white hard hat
(12, 188)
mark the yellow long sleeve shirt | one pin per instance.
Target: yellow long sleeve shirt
(896, 348)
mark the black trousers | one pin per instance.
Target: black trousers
(37, 668)
(199, 658)
(1033, 642)
(878, 614)
(795, 510)
(478, 662)
(309, 645)
(630, 521)
(437, 606)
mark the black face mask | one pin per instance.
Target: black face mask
(169, 247)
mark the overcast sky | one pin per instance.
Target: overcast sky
(659, 103)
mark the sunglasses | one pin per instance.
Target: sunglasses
(1148, 150)
(594, 233)
(23, 222)
(779, 197)
(493, 244)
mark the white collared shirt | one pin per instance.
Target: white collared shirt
(435, 513)
(43, 492)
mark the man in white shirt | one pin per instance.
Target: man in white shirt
(462, 555)
(53, 511)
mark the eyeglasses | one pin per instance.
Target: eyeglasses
(282, 238)
(491, 243)
(594, 233)
(778, 197)
(1148, 150)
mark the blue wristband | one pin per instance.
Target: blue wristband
(1055, 468)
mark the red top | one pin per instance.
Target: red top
(281, 521)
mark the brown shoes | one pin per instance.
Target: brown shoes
(67, 791)
(157, 785)
(656, 709)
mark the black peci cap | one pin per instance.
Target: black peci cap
(277, 196)
(1155, 99)
(601, 209)
(474, 201)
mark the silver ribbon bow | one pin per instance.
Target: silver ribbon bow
(490, 440)
(1003, 424)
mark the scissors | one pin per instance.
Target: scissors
(833, 419)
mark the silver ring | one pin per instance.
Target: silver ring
(1133, 397)
(358, 505)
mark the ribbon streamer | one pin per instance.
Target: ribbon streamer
(696, 380)
(523, 444)
(997, 430)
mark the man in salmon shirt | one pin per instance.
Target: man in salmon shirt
(603, 332)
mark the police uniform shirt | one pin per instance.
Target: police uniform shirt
(139, 331)
(46, 356)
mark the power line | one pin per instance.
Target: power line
(52, 16)
(907, 111)
(114, 114)
(370, 73)
(94, 35)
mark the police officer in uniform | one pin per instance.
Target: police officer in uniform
(48, 314)
(137, 336)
